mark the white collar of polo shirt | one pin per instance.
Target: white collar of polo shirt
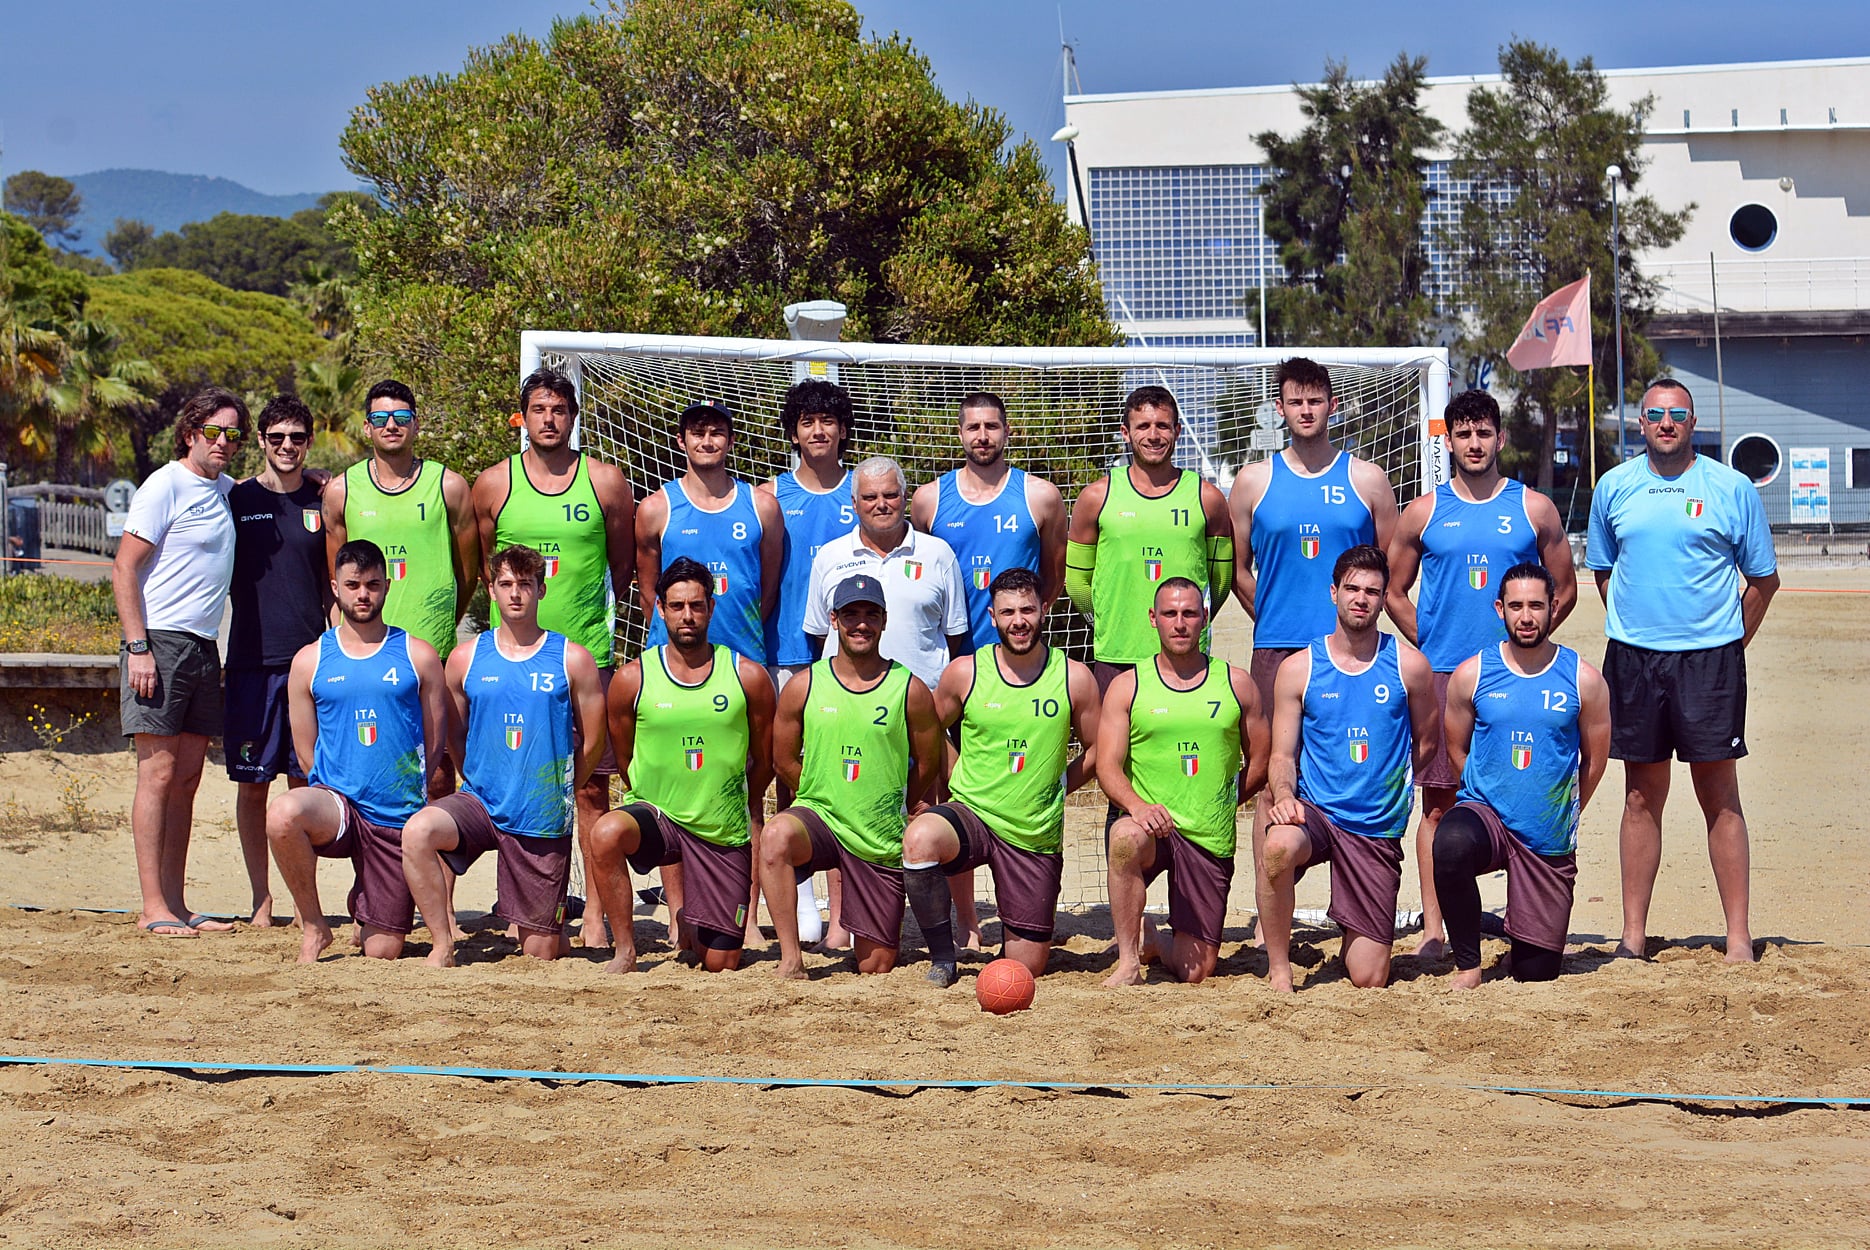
(906, 547)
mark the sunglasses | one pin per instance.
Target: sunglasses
(297, 438)
(381, 418)
(1677, 415)
(233, 433)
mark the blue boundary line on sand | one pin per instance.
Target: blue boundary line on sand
(879, 1083)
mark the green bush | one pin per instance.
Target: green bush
(39, 612)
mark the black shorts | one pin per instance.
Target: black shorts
(258, 732)
(1692, 704)
(187, 699)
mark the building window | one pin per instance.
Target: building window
(1857, 468)
(1757, 456)
(1753, 227)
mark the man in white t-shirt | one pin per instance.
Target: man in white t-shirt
(927, 610)
(171, 577)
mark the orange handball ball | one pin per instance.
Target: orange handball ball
(1004, 986)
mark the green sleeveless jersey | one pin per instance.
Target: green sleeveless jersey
(1141, 543)
(690, 756)
(1185, 753)
(1014, 744)
(855, 770)
(412, 528)
(568, 530)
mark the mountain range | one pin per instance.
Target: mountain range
(169, 201)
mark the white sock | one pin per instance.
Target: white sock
(811, 924)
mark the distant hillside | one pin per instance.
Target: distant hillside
(169, 201)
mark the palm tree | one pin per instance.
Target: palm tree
(95, 395)
(333, 389)
(31, 356)
(325, 295)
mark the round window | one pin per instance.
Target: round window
(1757, 456)
(1753, 227)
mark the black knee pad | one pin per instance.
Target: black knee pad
(1535, 963)
(1461, 843)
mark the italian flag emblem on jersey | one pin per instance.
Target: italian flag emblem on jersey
(1477, 578)
(694, 759)
(367, 733)
(551, 566)
(1522, 758)
(982, 578)
(1016, 761)
(1360, 751)
(399, 569)
(513, 735)
(912, 569)
(1152, 570)
(1308, 547)
(1694, 507)
(1191, 764)
(720, 583)
(310, 518)
(851, 769)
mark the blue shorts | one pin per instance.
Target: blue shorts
(257, 730)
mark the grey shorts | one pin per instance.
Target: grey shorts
(187, 699)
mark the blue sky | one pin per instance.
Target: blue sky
(259, 92)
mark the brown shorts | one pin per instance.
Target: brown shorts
(1198, 883)
(873, 893)
(1265, 670)
(1104, 672)
(1440, 773)
(533, 873)
(380, 898)
(1025, 883)
(1538, 887)
(716, 880)
(607, 763)
(1366, 875)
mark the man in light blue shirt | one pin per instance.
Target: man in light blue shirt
(1673, 538)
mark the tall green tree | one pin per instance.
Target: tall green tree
(692, 166)
(248, 252)
(1345, 202)
(99, 393)
(47, 203)
(35, 295)
(1537, 217)
(128, 242)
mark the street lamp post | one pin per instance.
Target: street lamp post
(1068, 135)
(1615, 174)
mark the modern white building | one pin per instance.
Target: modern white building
(1774, 157)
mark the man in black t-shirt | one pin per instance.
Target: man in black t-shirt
(281, 596)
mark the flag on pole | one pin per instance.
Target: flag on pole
(1558, 332)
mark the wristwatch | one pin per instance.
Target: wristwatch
(137, 646)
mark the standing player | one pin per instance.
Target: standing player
(1017, 705)
(856, 738)
(1353, 716)
(1672, 536)
(710, 516)
(170, 580)
(580, 515)
(528, 728)
(692, 725)
(281, 597)
(814, 498)
(1138, 527)
(1461, 536)
(996, 517)
(1528, 725)
(1169, 756)
(369, 715)
(420, 514)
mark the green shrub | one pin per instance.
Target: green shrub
(39, 612)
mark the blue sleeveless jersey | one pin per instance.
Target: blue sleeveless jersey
(370, 746)
(988, 539)
(1523, 761)
(1466, 549)
(1300, 528)
(812, 520)
(728, 543)
(520, 741)
(1355, 743)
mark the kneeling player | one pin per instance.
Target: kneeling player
(855, 737)
(1529, 730)
(1354, 716)
(528, 729)
(1018, 704)
(369, 718)
(1169, 755)
(692, 726)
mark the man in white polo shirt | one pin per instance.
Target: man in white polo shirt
(927, 609)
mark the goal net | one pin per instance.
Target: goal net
(1063, 407)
